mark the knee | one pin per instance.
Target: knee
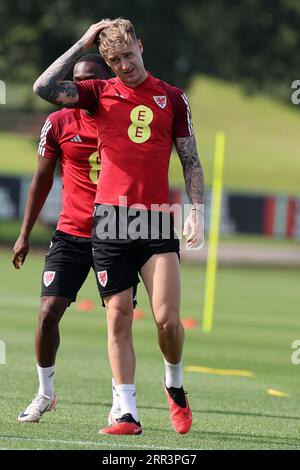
(120, 321)
(168, 323)
(50, 316)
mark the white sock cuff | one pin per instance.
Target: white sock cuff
(125, 388)
(173, 374)
(46, 380)
(46, 369)
(126, 394)
(173, 365)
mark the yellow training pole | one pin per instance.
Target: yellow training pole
(215, 213)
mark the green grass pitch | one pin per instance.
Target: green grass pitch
(256, 321)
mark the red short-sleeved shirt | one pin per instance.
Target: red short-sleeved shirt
(136, 128)
(71, 136)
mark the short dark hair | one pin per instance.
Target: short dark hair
(95, 59)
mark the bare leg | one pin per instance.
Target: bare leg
(121, 354)
(162, 281)
(161, 277)
(47, 333)
(52, 309)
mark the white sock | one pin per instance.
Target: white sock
(46, 380)
(115, 409)
(173, 374)
(126, 396)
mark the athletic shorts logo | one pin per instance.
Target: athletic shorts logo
(161, 101)
(102, 277)
(50, 246)
(48, 277)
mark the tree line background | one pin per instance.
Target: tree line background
(254, 42)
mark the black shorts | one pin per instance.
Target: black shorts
(67, 265)
(119, 252)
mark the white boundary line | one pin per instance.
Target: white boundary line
(91, 443)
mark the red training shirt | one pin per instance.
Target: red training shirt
(71, 136)
(137, 128)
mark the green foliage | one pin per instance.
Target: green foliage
(253, 41)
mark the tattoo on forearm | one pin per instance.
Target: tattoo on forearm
(192, 169)
(50, 85)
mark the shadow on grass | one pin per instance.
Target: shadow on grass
(164, 408)
(233, 413)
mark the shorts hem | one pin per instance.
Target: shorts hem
(159, 252)
(56, 294)
(117, 290)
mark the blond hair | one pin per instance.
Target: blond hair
(118, 34)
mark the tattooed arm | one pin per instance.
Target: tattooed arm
(194, 184)
(50, 85)
(192, 170)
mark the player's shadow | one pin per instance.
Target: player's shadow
(243, 413)
(233, 413)
(164, 408)
(85, 403)
(218, 412)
